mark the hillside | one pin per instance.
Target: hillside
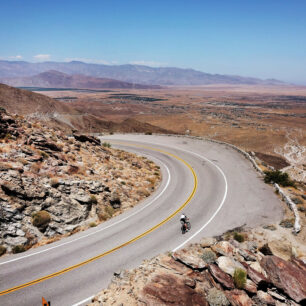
(52, 185)
(59, 114)
(127, 73)
(56, 79)
(25, 102)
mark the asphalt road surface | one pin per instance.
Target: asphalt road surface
(215, 186)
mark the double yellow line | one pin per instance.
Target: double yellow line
(41, 279)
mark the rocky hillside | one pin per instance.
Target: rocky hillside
(53, 185)
(238, 268)
(56, 79)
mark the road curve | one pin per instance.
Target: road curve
(214, 185)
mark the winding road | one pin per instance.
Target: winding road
(214, 185)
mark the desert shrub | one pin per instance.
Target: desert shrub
(92, 224)
(43, 154)
(148, 133)
(54, 182)
(35, 167)
(216, 297)
(123, 183)
(278, 177)
(109, 210)
(106, 145)
(143, 192)
(2, 250)
(240, 277)
(41, 219)
(209, 256)
(287, 223)
(297, 200)
(151, 180)
(238, 237)
(73, 169)
(93, 199)
(18, 249)
(103, 216)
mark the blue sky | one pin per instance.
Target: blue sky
(261, 38)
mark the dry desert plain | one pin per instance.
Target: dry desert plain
(268, 120)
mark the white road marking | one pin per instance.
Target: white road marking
(82, 302)
(212, 217)
(220, 206)
(102, 229)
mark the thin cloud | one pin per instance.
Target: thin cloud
(42, 57)
(15, 57)
(90, 60)
(148, 63)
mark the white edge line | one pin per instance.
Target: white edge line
(102, 229)
(82, 302)
(212, 217)
(220, 206)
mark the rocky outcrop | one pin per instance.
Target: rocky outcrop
(73, 180)
(84, 138)
(287, 276)
(184, 279)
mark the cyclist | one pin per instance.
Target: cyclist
(183, 218)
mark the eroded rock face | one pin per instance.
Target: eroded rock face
(167, 289)
(73, 179)
(286, 276)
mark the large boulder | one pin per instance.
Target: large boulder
(287, 276)
(167, 289)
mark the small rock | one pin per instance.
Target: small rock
(276, 295)
(238, 298)
(221, 276)
(217, 297)
(224, 248)
(257, 277)
(207, 242)
(13, 241)
(265, 298)
(250, 286)
(270, 227)
(189, 259)
(247, 255)
(229, 265)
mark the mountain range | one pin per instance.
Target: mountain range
(56, 79)
(135, 74)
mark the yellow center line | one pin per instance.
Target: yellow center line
(41, 279)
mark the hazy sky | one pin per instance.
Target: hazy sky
(261, 38)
